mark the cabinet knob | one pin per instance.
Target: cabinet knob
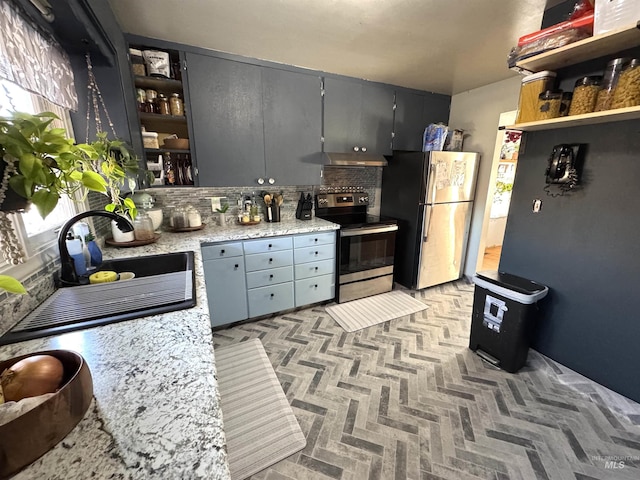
(356, 148)
(270, 246)
(316, 269)
(236, 266)
(364, 149)
(270, 276)
(315, 286)
(273, 295)
(222, 252)
(316, 253)
(260, 181)
(315, 239)
(271, 181)
(270, 260)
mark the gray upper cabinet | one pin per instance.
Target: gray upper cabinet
(254, 125)
(357, 114)
(226, 113)
(292, 112)
(414, 112)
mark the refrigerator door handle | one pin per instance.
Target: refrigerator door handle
(425, 226)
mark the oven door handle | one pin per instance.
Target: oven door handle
(367, 231)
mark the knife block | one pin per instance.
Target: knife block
(305, 205)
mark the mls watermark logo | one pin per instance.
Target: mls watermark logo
(615, 462)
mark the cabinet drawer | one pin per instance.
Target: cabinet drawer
(273, 244)
(270, 299)
(221, 250)
(263, 261)
(226, 290)
(272, 276)
(309, 240)
(313, 290)
(314, 254)
(314, 269)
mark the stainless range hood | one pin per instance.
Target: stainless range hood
(354, 159)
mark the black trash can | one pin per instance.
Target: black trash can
(504, 313)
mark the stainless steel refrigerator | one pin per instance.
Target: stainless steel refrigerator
(431, 195)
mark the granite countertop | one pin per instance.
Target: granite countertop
(156, 408)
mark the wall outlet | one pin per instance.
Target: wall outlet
(537, 205)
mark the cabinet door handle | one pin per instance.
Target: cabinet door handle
(315, 286)
(364, 149)
(356, 148)
(222, 252)
(260, 181)
(316, 269)
(315, 239)
(271, 181)
(270, 260)
(270, 246)
(316, 253)
(236, 266)
(270, 276)
(272, 295)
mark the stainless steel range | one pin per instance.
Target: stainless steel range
(366, 243)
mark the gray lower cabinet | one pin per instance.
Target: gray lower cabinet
(358, 114)
(414, 112)
(252, 278)
(224, 274)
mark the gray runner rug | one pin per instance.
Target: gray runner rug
(259, 424)
(365, 312)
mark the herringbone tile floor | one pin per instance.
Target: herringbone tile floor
(407, 399)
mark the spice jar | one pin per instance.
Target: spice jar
(141, 96)
(176, 105)
(565, 103)
(137, 62)
(585, 95)
(163, 105)
(627, 92)
(549, 104)
(143, 226)
(609, 82)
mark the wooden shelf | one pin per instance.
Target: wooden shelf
(583, 50)
(608, 116)
(159, 83)
(156, 117)
(163, 150)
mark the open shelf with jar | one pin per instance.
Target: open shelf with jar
(160, 93)
(598, 46)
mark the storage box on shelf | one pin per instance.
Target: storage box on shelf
(595, 47)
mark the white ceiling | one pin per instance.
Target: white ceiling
(444, 46)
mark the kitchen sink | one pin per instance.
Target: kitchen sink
(163, 283)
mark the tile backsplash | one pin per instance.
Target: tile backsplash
(40, 285)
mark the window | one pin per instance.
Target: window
(35, 233)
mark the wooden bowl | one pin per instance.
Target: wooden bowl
(177, 143)
(29, 436)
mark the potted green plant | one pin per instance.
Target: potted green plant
(222, 217)
(39, 164)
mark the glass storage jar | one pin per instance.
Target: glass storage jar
(143, 226)
(585, 94)
(609, 82)
(193, 216)
(180, 218)
(549, 104)
(565, 103)
(175, 102)
(163, 104)
(627, 92)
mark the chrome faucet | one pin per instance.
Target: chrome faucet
(68, 274)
